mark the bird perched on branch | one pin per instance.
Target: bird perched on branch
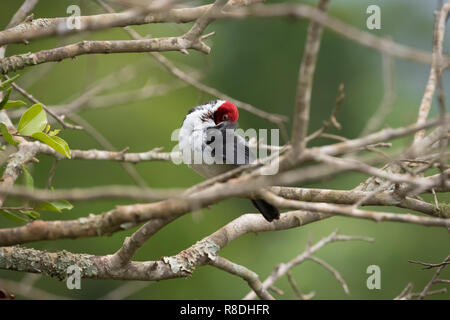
(210, 146)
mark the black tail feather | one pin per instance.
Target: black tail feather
(267, 210)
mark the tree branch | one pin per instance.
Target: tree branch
(436, 65)
(246, 274)
(282, 269)
(181, 265)
(47, 27)
(305, 84)
(20, 61)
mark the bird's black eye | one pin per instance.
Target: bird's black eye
(225, 117)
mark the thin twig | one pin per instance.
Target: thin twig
(305, 84)
(59, 119)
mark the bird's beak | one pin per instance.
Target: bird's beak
(224, 125)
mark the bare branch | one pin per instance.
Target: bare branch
(335, 273)
(332, 120)
(59, 119)
(20, 61)
(284, 268)
(407, 293)
(350, 197)
(88, 194)
(305, 84)
(351, 211)
(181, 265)
(436, 65)
(297, 291)
(46, 27)
(103, 155)
(246, 274)
(435, 276)
(20, 15)
(430, 265)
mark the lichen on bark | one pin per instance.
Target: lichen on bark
(52, 264)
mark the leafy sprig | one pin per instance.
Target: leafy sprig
(32, 125)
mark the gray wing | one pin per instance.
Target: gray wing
(228, 147)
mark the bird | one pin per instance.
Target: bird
(210, 146)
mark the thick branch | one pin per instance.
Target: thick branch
(351, 211)
(46, 27)
(350, 197)
(181, 265)
(20, 61)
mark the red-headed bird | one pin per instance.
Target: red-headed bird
(210, 146)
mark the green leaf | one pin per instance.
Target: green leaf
(64, 144)
(33, 120)
(6, 135)
(54, 132)
(57, 206)
(6, 83)
(29, 181)
(5, 98)
(14, 216)
(56, 143)
(31, 214)
(14, 103)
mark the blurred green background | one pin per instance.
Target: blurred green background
(256, 61)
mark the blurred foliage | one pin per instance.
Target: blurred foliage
(257, 61)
